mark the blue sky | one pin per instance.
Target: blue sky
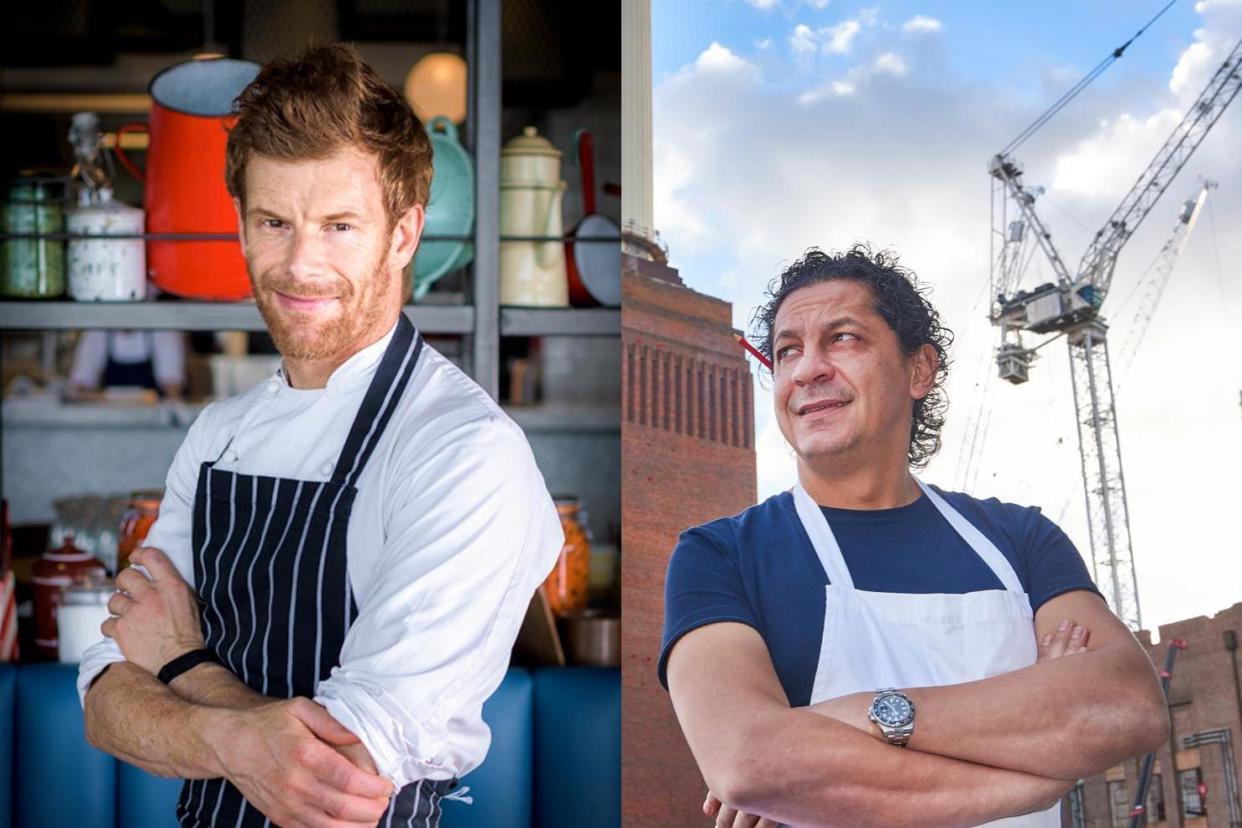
(778, 125)
(1001, 41)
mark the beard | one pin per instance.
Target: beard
(314, 335)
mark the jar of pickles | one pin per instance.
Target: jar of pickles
(144, 508)
(33, 268)
(566, 586)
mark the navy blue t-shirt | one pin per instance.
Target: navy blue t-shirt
(759, 568)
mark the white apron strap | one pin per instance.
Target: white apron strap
(822, 539)
(979, 542)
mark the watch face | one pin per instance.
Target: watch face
(893, 711)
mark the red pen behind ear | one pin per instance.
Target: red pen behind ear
(745, 343)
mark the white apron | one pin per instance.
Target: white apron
(896, 639)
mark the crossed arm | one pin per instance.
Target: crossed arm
(289, 757)
(981, 751)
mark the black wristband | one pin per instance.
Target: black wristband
(184, 662)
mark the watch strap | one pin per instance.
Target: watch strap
(185, 662)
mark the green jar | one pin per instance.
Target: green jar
(33, 268)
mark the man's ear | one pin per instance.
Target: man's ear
(924, 364)
(405, 235)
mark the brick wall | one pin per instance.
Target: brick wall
(1203, 696)
(687, 449)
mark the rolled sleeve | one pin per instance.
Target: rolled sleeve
(470, 534)
(171, 533)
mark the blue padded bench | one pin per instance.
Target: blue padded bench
(555, 758)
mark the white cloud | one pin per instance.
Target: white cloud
(1103, 166)
(764, 44)
(1205, 7)
(841, 36)
(763, 5)
(891, 63)
(921, 23)
(802, 41)
(720, 60)
(736, 203)
(888, 63)
(837, 39)
(817, 4)
(1190, 71)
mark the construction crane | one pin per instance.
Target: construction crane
(1070, 307)
(1161, 271)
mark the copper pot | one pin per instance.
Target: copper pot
(592, 638)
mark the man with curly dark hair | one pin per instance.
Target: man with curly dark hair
(802, 635)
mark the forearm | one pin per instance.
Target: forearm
(134, 717)
(795, 767)
(214, 685)
(1108, 712)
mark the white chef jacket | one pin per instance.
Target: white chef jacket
(450, 534)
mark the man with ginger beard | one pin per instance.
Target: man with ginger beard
(344, 554)
(869, 650)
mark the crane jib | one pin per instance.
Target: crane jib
(1071, 307)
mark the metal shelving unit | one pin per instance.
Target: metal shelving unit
(244, 316)
(483, 322)
(558, 322)
(191, 316)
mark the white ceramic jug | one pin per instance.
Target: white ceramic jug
(532, 273)
(105, 270)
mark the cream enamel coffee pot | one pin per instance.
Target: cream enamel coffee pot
(532, 273)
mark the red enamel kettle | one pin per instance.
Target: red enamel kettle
(184, 179)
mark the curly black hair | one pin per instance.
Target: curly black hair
(899, 299)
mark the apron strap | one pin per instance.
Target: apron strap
(385, 390)
(829, 551)
(824, 542)
(993, 557)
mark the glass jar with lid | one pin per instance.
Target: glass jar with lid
(144, 508)
(566, 587)
(82, 609)
(62, 567)
(33, 268)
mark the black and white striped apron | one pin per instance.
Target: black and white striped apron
(270, 569)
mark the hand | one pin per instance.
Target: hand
(156, 617)
(1069, 639)
(729, 817)
(286, 759)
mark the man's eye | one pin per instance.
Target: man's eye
(781, 353)
(273, 224)
(341, 226)
(838, 337)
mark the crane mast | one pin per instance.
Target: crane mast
(1071, 306)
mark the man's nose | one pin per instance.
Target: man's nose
(812, 367)
(305, 255)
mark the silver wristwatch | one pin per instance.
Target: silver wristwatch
(893, 711)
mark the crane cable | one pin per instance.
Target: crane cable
(1081, 85)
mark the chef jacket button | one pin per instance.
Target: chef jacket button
(326, 468)
(273, 387)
